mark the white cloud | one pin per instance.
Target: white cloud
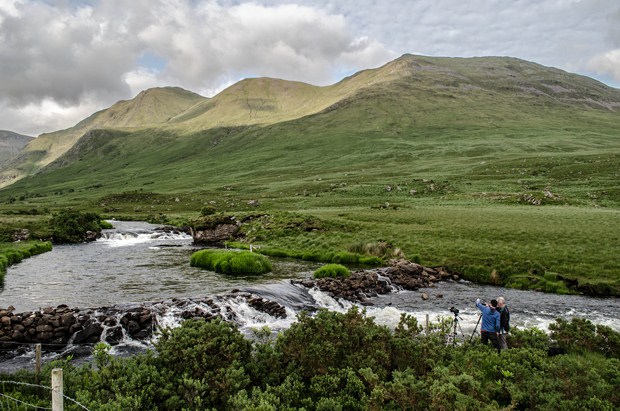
(90, 53)
(607, 64)
(75, 54)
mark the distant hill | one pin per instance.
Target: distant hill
(149, 108)
(11, 143)
(413, 109)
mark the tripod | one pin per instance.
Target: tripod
(474, 332)
(456, 324)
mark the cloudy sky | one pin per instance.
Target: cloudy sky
(62, 60)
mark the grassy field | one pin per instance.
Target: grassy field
(456, 162)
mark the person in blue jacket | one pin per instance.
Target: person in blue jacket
(490, 323)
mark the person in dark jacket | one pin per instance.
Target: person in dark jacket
(504, 322)
(490, 323)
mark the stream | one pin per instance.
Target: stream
(137, 263)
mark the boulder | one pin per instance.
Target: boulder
(217, 235)
(90, 334)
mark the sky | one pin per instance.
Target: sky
(60, 61)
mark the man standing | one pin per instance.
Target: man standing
(490, 323)
(504, 322)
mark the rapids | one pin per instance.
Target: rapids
(137, 263)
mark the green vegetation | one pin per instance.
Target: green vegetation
(231, 262)
(501, 170)
(13, 253)
(336, 361)
(72, 226)
(332, 271)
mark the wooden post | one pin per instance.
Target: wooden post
(37, 359)
(427, 325)
(57, 396)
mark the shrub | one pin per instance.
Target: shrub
(316, 346)
(206, 360)
(580, 336)
(71, 226)
(231, 262)
(207, 210)
(332, 270)
(105, 225)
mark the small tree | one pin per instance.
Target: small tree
(71, 226)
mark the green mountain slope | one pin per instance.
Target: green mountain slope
(438, 116)
(413, 113)
(151, 107)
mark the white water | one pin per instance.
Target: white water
(137, 264)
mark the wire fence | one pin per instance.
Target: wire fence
(10, 403)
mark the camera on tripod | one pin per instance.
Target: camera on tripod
(454, 310)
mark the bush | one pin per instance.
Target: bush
(105, 225)
(231, 262)
(581, 336)
(207, 361)
(71, 226)
(332, 270)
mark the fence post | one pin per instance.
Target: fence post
(37, 356)
(57, 396)
(427, 325)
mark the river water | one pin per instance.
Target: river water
(136, 263)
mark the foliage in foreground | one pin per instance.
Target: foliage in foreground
(345, 361)
(231, 262)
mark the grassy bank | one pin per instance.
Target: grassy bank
(13, 253)
(549, 248)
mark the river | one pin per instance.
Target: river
(136, 263)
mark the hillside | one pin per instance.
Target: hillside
(149, 108)
(436, 92)
(501, 169)
(11, 143)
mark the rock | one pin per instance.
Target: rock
(5, 321)
(21, 235)
(90, 334)
(44, 336)
(114, 335)
(217, 235)
(44, 328)
(90, 236)
(67, 319)
(424, 296)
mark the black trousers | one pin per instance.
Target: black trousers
(486, 336)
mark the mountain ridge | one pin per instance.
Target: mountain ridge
(425, 90)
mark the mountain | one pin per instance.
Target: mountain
(415, 115)
(11, 143)
(150, 108)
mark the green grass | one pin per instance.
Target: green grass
(332, 271)
(13, 253)
(231, 262)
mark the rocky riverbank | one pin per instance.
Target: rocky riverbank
(58, 327)
(55, 328)
(401, 274)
